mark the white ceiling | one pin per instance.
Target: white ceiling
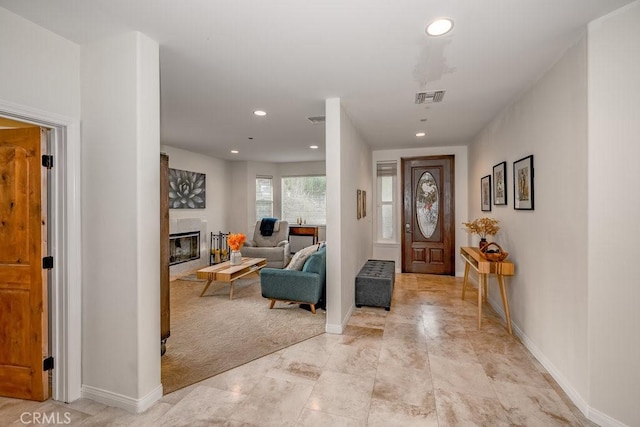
(221, 60)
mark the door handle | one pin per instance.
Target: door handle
(407, 228)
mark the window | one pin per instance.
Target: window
(264, 197)
(304, 197)
(386, 180)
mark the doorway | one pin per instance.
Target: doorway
(64, 231)
(428, 215)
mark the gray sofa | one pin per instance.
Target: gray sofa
(275, 248)
(306, 286)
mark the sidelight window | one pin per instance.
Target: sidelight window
(385, 202)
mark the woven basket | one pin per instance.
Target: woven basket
(498, 256)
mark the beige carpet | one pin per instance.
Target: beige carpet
(212, 334)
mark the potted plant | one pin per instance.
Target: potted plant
(483, 227)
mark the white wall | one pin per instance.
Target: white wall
(349, 240)
(41, 79)
(548, 294)
(148, 218)
(237, 208)
(120, 156)
(393, 252)
(614, 212)
(39, 68)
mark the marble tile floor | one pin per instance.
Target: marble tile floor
(424, 363)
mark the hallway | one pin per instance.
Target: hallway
(423, 363)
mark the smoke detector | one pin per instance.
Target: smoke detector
(429, 97)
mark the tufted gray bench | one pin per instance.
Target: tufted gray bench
(374, 284)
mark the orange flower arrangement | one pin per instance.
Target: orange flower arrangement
(236, 240)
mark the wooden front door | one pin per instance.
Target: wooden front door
(23, 282)
(428, 235)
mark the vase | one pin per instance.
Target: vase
(483, 243)
(236, 258)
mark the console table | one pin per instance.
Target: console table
(303, 230)
(474, 259)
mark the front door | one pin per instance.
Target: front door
(428, 238)
(23, 283)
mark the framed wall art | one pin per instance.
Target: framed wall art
(485, 193)
(523, 195)
(364, 203)
(187, 189)
(500, 184)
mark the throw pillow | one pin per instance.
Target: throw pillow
(300, 257)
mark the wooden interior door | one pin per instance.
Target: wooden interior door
(23, 282)
(428, 237)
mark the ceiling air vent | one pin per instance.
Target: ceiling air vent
(317, 120)
(429, 97)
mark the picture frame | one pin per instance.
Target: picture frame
(364, 203)
(187, 190)
(500, 184)
(359, 204)
(523, 177)
(485, 193)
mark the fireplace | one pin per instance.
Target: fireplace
(184, 247)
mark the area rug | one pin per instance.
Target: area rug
(212, 334)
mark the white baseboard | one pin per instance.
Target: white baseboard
(575, 397)
(592, 414)
(121, 401)
(333, 329)
(339, 329)
(603, 419)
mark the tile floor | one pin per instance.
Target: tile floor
(423, 363)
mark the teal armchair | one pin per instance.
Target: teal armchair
(305, 287)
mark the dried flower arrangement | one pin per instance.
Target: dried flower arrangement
(236, 240)
(483, 227)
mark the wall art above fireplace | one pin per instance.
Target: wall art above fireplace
(187, 189)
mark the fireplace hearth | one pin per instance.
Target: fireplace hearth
(184, 247)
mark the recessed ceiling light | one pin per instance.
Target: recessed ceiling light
(419, 134)
(260, 113)
(234, 151)
(439, 27)
(313, 147)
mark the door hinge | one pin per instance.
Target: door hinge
(47, 161)
(47, 364)
(47, 262)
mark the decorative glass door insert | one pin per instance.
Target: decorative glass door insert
(427, 204)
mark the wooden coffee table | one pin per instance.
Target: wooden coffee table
(225, 272)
